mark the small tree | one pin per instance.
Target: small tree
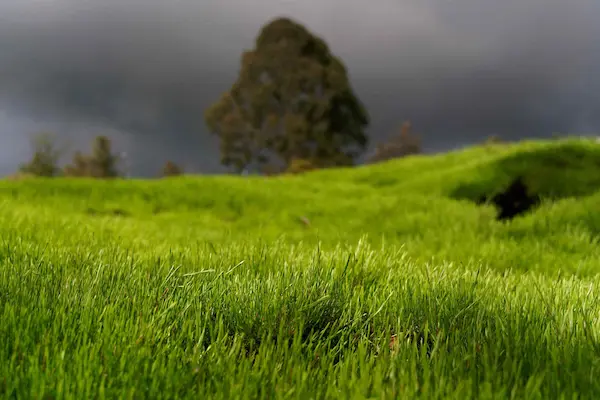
(103, 164)
(80, 166)
(171, 169)
(100, 164)
(45, 157)
(401, 145)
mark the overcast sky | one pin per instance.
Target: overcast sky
(143, 71)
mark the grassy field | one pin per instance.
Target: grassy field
(379, 282)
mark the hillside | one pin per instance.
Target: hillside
(373, 282)
(426, 203)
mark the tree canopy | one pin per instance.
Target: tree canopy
(292, 101)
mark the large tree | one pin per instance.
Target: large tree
(292, 100)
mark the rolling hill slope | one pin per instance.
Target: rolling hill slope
(424, 203)
(384, 281)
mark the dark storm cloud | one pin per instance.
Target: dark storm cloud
(144, 71)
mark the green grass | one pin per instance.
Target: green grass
(398, 285)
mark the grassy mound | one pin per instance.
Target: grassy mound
(569, 169)
(352, 283)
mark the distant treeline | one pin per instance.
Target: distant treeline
(291, 109)
(102, 162)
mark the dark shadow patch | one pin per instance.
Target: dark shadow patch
(515, 200)
(157, 209)
(520, 182)
(114, 212)
(91, 211)
(118, 212)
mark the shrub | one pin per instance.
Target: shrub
(45, 157)
(171, 169)
(403, 144)
(102, 163)
(299, 165)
